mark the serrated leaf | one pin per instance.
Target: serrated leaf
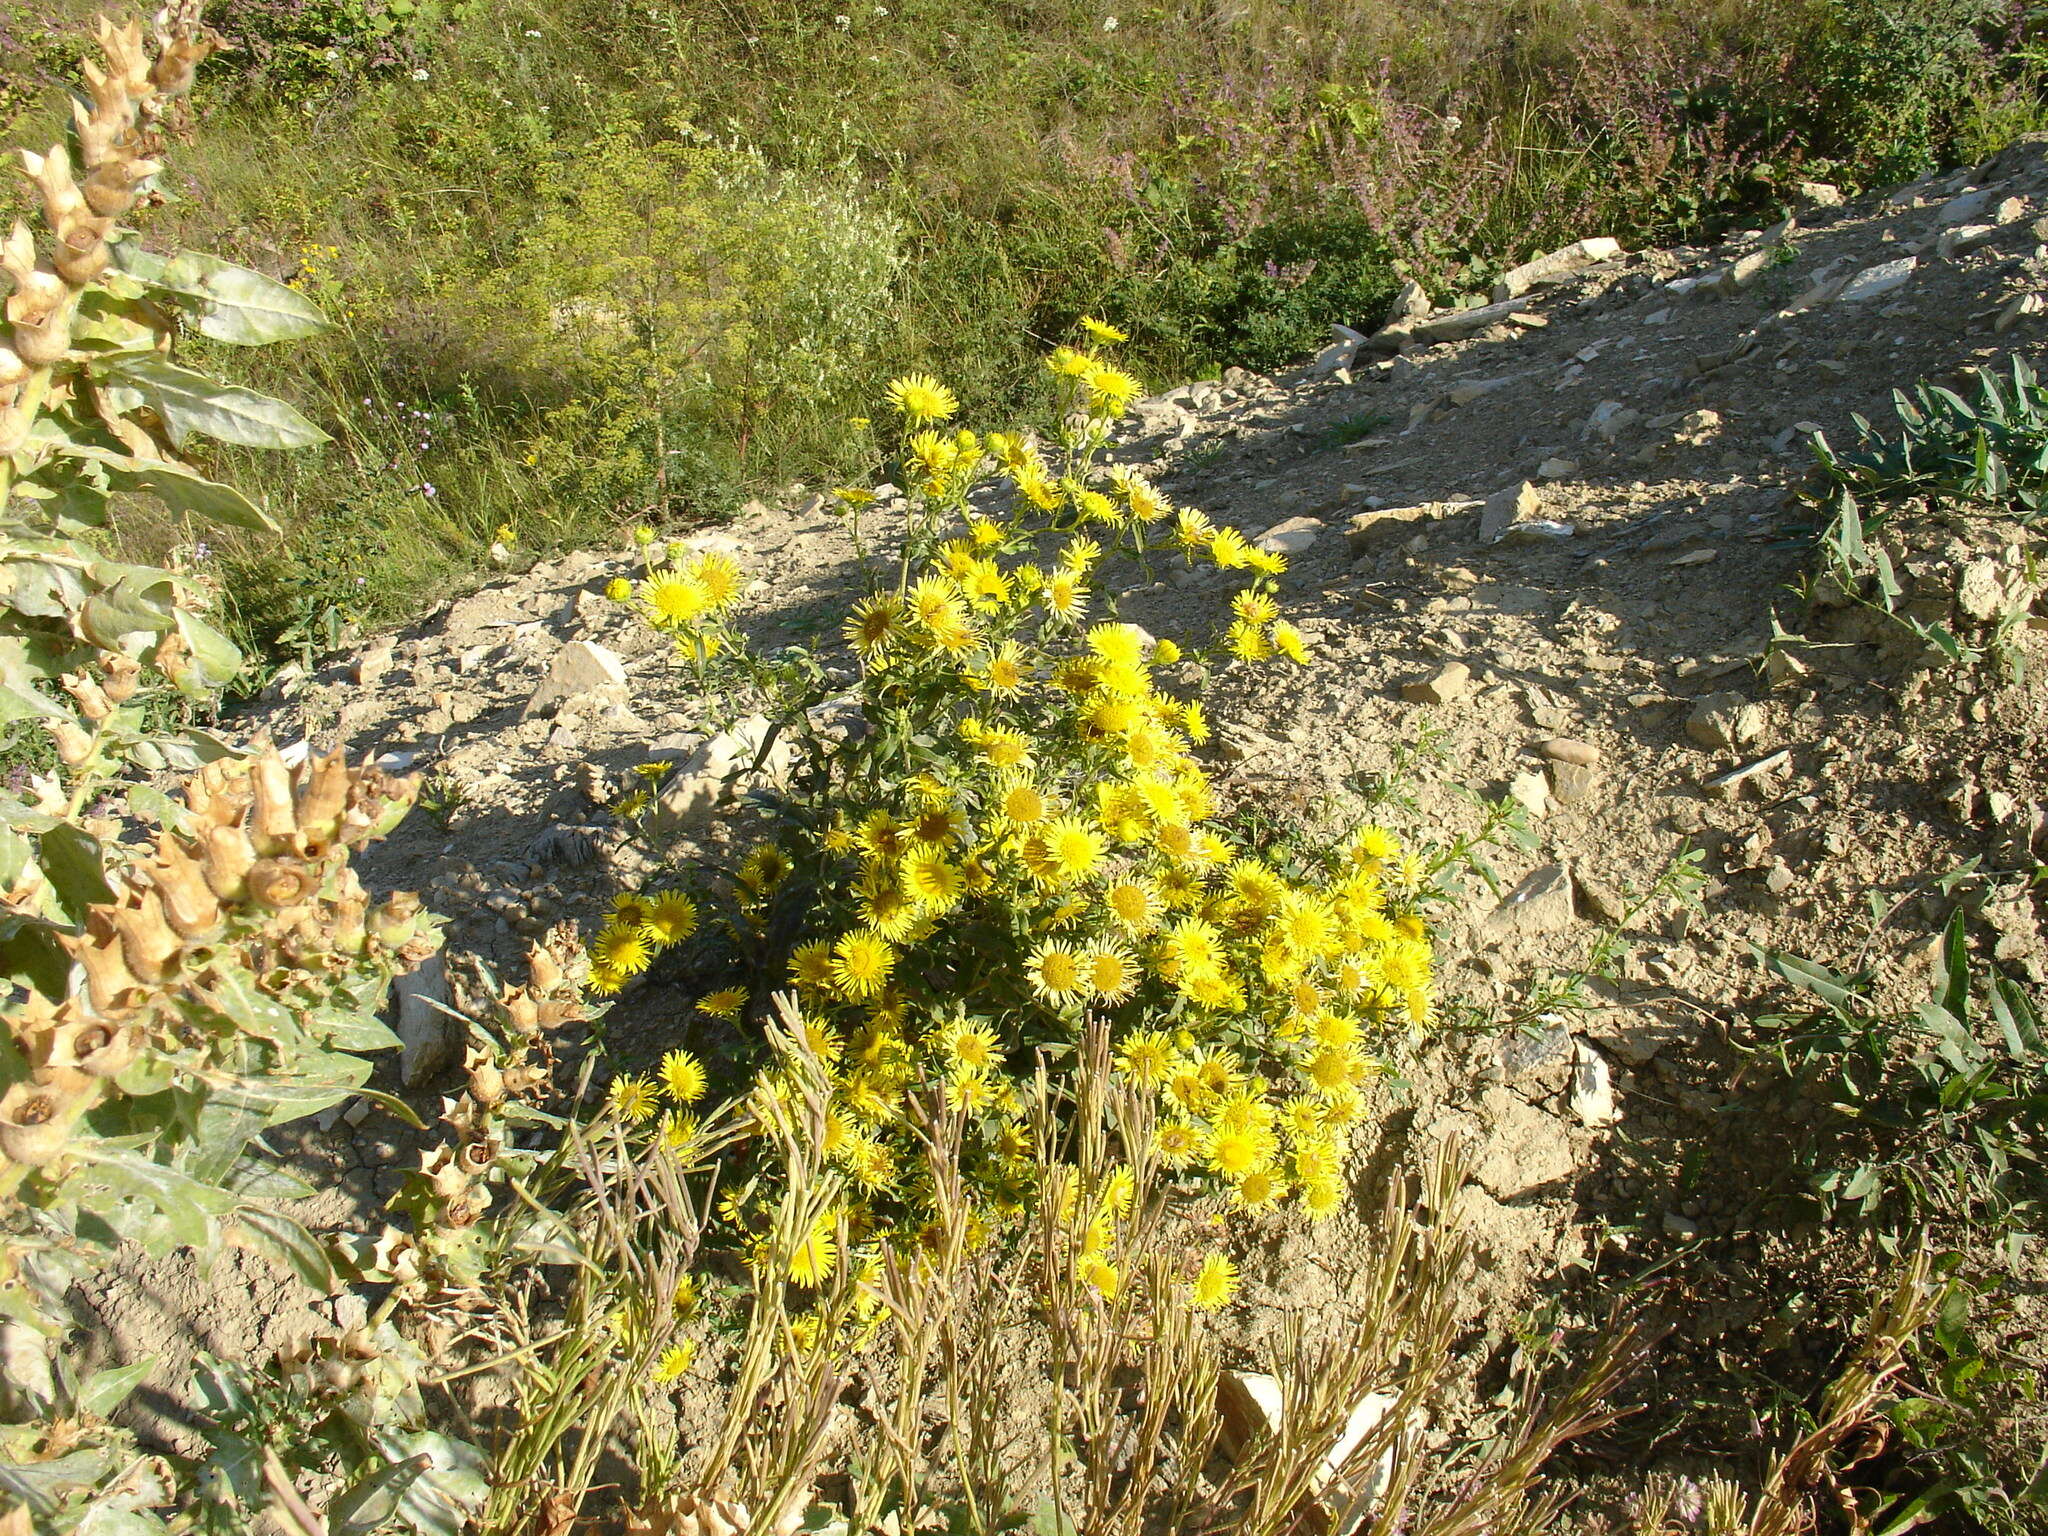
(190, 403)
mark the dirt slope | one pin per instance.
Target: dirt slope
(1658, 406)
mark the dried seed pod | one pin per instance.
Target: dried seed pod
(273, 822)
(123, 676)
(189, 902)
(36, 1121)
(148, 942)
(92, 699)
(324, 788)
(127, 59)
(445, 1173)
(226, 861)
(90, 1046)
(280, 883)
(486, 1082)
(111, 986)
(477, 1156)
(74, 743)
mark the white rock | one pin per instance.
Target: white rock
(1874, 282)
(1532, 790)
(1411, 303)
(1963, 210)
(1542, 903)
(1592, 1096)
(1821, 194)
(1963, 238)
(1290, 537)
(580, 667)
(1540, 530)
(2017, 310)
(1610, 419)
(1557, 469)
(430, 1033)
(1556, 265)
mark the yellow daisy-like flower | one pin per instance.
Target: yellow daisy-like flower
(618, 589)
(1227, 547)
(1214, 1283)
(1134, 904)
(1110, 389)
(1065, 595)
(674, 599)
(1322, 1197)
(861, 963)
(1056, 974)
(1023, 804)
(875, 625)
(1177, 1143)
(682, 1077)
(674, 1364)
(1103, 1277)
(605, 981)
(718, 576)
(668, 918)
(1254, 607)
(984, 585)
(1288, 642)
(1004, 672)
(1237, 1151)
(1005, 749)
(1197, 723)
(632, 1099)
(815, 1258)
(810, 965)
(1144, 1058)
(930, 880)
(922, 399)
(1073, 850)
(971, 1049)
(1101, 331)
(725, 1003)
(1248, 642)
(1112, 974)
(620, 947)
(1068, 362)
(1259, 1190)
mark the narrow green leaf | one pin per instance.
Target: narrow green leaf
(104, 1391)
(284, 1241)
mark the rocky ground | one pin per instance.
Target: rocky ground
(1539, 550)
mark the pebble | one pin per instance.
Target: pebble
(1567, 749)
(1451, 681)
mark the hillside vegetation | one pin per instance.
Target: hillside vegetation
(492, 200)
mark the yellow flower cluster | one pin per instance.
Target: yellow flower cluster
(684, 593)
(1023, 836)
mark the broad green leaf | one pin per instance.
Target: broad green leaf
(217, 657)
(178, 486)
(257, 1177)
(104, 1391)
(29, 952)
(71, 858)
(370, 1502)
(283, 1240)
(1954, 989)
(133, 605)
(347, 1030)
(188, 1206)
(191, 403)
(231, 303)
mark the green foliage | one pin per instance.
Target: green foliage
(1939, 1117)
(1994, 449)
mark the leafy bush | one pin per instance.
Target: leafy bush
(1002, 831)
(173, 993)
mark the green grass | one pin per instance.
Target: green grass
(1222, 180)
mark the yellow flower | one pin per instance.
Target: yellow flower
(1073, 850)
(725, 1003)
(1235, 1152)
(1144, 1058)
(972, 1049)
(1023, 804)
(1248, 642)
(931, 881)
(1322, 1197)
(619, 947)
(861, 963)
(1102, 332)
(1110, 389)
(1112, 974)
(1134, 904)
(1065, 595)
(1197, 723)
(1164, 653)
(674, 599)
(1177, 1143)
(810, 965)
(618, 589)
(922, 398)
(1118, 644)
(682, 1077)
(984, 584)
(1068, 363)
(668, 918)
(718, 575)
(1228, 548)
(875, 625)
(815, 1258)
(631, 1099)
(1259, 1190)
(1103, 1276)
(1005, 749)
(1055, 973)
(605, 981)
(1288, 642)
(1214, 1283)
(1254, 607)
(674, 1363)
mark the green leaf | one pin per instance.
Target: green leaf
(1954, 991)
(104, 1391)
(370, 1502)
(187, 1206)
(232, 304)
(192, 403)
(134, 605)
(217, 658)
(1814, 977)
(71, 858)
(29, 952)
(343, 1029)
(178, 486)
(450, 1492)
(279, 1238)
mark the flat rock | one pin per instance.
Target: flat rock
(1525, 1148)
(1635, 1038)
(1569, 749)
(1572, 782)
(1875, 282)
(1290, 537)
(1453, 680)
(429, 1035)
(1555, 266)
(1506, 507)
(580, 667)
(1592, 1095)
(1542, 903)
(717, 773)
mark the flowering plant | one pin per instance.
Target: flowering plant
(1014, 834)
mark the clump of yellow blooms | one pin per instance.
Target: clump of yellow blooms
(1022, 837)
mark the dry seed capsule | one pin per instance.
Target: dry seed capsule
(280, 883)
(226, 863)
(148, 943)
(36, 1122)
(273, 822)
